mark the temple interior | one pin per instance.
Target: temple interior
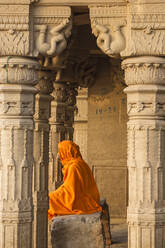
(90, 71)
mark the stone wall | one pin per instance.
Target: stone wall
(107, 149)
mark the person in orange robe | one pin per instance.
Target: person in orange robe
(78, 194)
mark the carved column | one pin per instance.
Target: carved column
(57, 131)
(84, 71)
(57, 134)
(26, 31)
(17, 79)
(146, 143)
(41, 159)
(80, 136)
(141, 38)
(69, 111)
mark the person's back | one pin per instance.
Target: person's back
(78, 194)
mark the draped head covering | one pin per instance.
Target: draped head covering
(78, 194)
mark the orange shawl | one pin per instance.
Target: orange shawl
(78, 194)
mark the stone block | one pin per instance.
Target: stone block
(78, 231)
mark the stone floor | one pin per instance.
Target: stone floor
(119, 236)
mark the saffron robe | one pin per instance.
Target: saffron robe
(78, 194)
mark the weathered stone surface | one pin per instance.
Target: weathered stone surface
(78, 231)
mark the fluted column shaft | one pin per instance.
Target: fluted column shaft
(41, 160)
(17, 79)
(146, 145)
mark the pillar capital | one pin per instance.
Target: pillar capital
(17, 77)
(146, 70)
(135, 28)
(109, 23)
(52, 28)
(146, 87)
(31, 29)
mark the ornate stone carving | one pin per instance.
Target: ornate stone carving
(30, 31)
(152, 70)
(109, 39)
(146, 29)
(109, 33)
(51, 39)
(71, 91)
(59, 92)
(57, 131)
(70, 109)
(17, 104)
(146, 139)
(84, 71)
(15, 31)
(41, 158)
(134, 30)
(58, 40)
(18, 70)
(45, 81)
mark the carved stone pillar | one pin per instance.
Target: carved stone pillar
(138, 32)
(17, 79)
(146, 143)
(69, 112)
(57, 134)
(29, 31)
(80, 136)
(85, 71)
(41, 160)
(57, 131)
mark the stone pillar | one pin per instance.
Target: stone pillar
(41, 160)
(137, 34)
(85, 72)
(70, 109)
(57, 132)
(17, 79)
(146, 144)
(28, 30)
(81, 121)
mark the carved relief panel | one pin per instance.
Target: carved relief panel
(146, 29)
(32, 30)
(108, 25)
(52, 28)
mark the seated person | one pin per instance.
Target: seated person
(78, 194)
